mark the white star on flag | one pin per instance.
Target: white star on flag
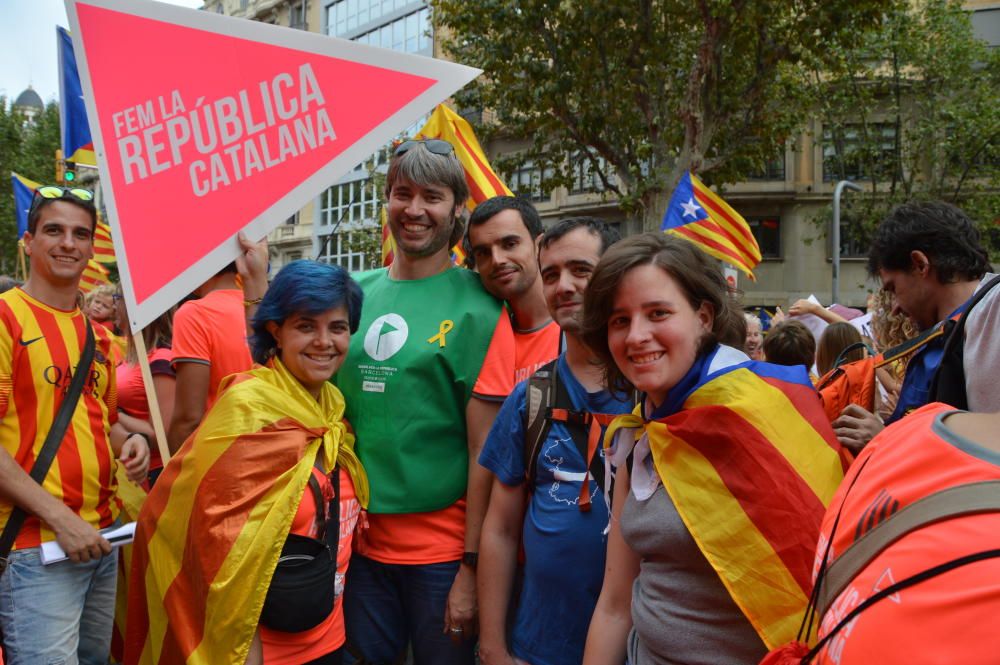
(690, 208)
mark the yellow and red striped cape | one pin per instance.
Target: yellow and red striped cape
(751, 463)
(483, 182)
(210, 533)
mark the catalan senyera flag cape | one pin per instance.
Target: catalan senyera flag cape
(699, 215)
(751, 463)
(77, 145)
(210, 533)
(24, 193)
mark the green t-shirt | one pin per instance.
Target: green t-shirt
(407, 379)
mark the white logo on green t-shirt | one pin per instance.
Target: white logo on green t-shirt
(386, 336)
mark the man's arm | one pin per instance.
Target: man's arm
(79, 540)
(189, 402)
(497, 565)
(460, 611)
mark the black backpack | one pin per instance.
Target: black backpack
(948, 384)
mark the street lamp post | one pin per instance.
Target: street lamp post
(835, 234)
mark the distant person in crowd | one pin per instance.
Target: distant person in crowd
(790, 343)
(99, 306)
(553, 503)
(502, 240)
(209, 344)
(835, 339)
(133, 405)
(7, 283)
(689, 578)
(433, 362)
(62, 612)
(271, 469)
(928, 255)
(754, 345)
(939, 619)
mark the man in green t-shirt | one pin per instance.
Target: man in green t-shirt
(423, 380)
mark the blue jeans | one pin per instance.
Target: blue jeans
(390, 606)
(61, 614)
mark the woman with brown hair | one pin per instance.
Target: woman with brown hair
(722, 475)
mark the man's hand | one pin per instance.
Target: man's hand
(252, 265)
(855, 427)
(488, 656)
(803, 306)
(460, 610)
(80, 541)
(135, 457)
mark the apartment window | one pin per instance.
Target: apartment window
(848, 156)
(293, 256)
(293, 220)
(343, 250)
(527, 181)
(297, 16)
(585, 177)
(774, 169)
(410, 32)
(352, 202)
(767, 231)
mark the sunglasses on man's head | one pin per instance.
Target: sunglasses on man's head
(53, 192)
(437, 146)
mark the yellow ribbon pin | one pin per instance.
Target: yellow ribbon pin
(443, 330)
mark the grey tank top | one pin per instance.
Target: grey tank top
(681, 612)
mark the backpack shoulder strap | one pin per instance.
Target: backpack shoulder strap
(967, 499)
(540, 396)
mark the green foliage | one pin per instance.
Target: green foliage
(648, 89)
(28, 149)
(913, 112)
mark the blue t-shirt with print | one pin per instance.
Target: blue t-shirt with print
(564, 548)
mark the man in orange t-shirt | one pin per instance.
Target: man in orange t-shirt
(209, 344)
(60, 612)
(502, 241)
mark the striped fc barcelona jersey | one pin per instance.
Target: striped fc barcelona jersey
(40, 348)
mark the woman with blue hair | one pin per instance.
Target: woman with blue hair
(242, 547)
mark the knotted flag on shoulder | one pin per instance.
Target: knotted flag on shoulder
(210, 533)
(699, 215)
(751, 463)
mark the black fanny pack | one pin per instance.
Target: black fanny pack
(303, 589)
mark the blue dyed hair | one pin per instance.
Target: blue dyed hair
(306, 287)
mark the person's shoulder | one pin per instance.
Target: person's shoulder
(367, 277)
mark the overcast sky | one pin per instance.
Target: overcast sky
(28, 45)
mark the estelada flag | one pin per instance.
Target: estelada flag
(77, 146)
(388, 242)
(24, 192)
(94, 275)
(749, 459)
(699, 215)
(211, 530)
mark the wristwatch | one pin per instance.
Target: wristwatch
(470, 559)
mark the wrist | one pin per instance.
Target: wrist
(145, 437)
(470, 560)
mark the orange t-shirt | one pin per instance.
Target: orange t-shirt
(535, 348)
(296, 648)
(40, 348)
(212, 331)
(945, 619)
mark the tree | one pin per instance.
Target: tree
(28, 149)
(914, 111)
(645, 90)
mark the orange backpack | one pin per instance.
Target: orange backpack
(850, 383)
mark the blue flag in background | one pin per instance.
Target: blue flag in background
(77, 146)
(24, 191)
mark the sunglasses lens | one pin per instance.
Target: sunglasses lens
(404, 147)
(82, 194)
(50, 192)
(438, 147)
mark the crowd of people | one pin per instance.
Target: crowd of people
(582, 450)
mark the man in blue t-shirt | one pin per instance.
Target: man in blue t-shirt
(564, 546)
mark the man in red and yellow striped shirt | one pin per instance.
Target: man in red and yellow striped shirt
(61, 611)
